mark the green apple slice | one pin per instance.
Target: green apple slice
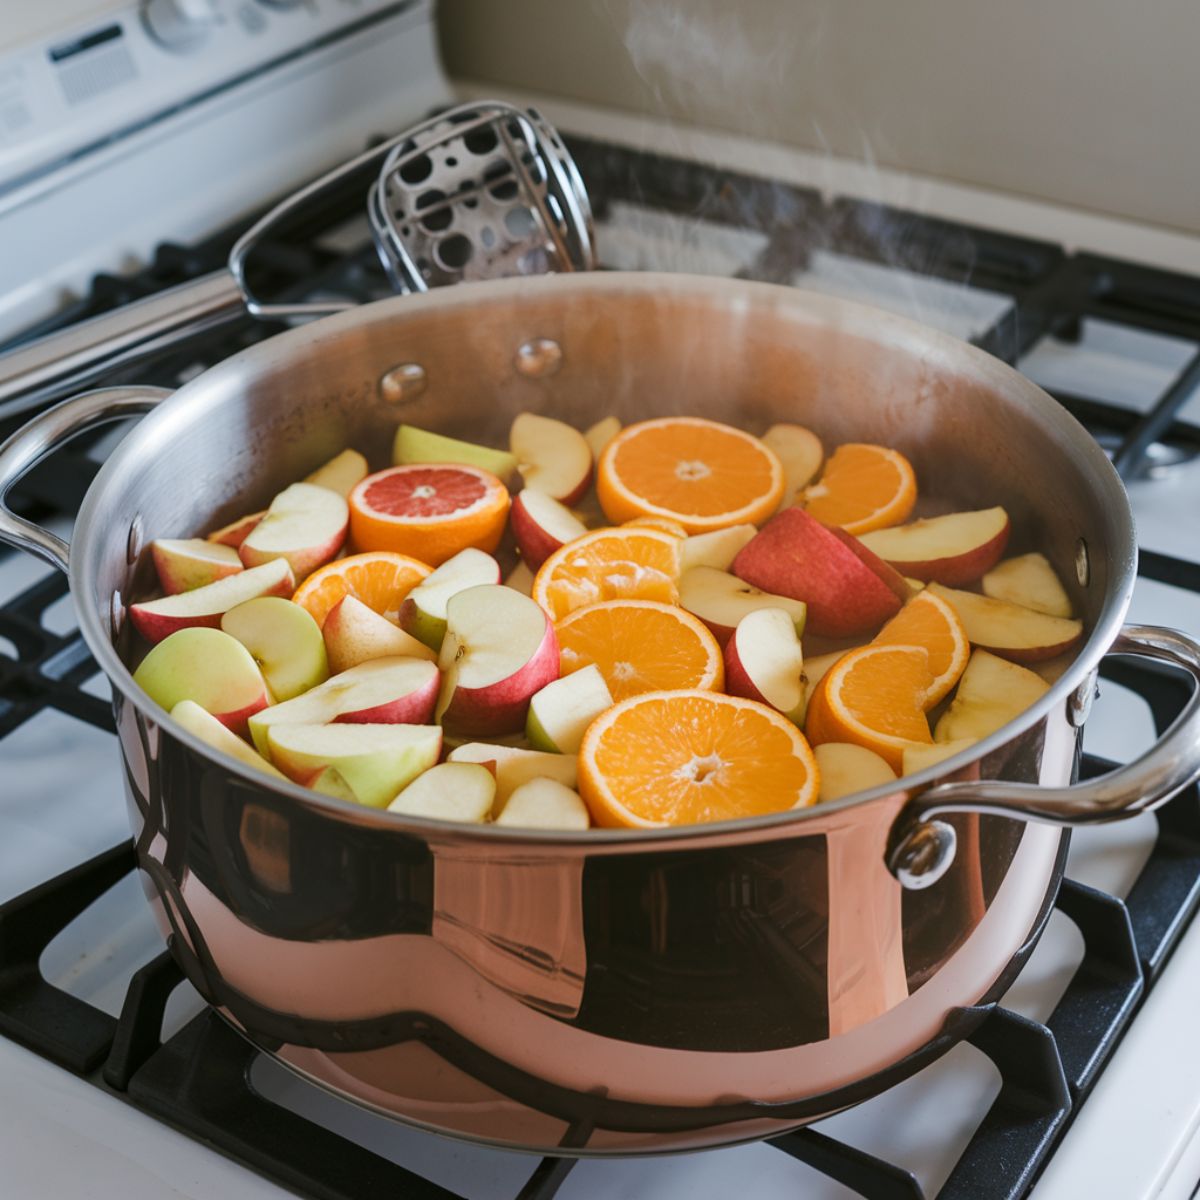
(413, 445)
(423, 612)
(561, 712)
(285, 642)
(209, 730)
(451, 791)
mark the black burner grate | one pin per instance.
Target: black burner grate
(198, 1079)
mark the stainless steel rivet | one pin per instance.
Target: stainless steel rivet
(133, 544)
(1083, 566)
(403, 383)
(539, 357)
(924, 855)
(116, 615)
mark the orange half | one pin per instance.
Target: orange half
(863, 487)
(686, 757)
(640, 646)
(700, 473)
(379, 579)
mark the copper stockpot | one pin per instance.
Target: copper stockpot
(608, 991)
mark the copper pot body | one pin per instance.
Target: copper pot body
(608, 992)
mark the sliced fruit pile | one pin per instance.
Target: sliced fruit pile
(753, 627)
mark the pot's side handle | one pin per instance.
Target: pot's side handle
(921, 848)
(35, 439)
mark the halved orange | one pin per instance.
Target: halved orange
(640, 646)
(609, 564)
(430, 511)
(863, 487)
(873, 697)
(928, 620)
(679, 758)
(701, 473)
(380, 579)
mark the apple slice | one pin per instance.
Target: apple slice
(205, 606)
(341, 474)
(552, 456)
(599, 435)
(329, 781)
(721, 600)
(514, 766)
(717, 549)
(423, 612)
(991, 692)
(384, 691)
(500, 649)
(355, 633)
(1028, 580)
(305, 524)
(544, 804)
(561, 712)
(952, 549)
(917, 758)
(541, 525)
(764, 662)
(1010, 630)
(413, 445)
(845, 769)
(520, 579)
(801, 453)
(451, 791)
(848, 589)
(183, 565)
(285, 642)
(236, 532)
(202, 724)
(376, 761)
(815, 668)
(209, 667)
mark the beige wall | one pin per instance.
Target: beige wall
(1091, 103)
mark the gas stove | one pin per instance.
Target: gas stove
(119, 1080)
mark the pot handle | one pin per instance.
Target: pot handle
(34, 440)
(921, 848)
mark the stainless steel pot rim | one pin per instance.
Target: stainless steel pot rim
(851, 317)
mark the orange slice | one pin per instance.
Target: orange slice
(679, 758)
(640, 646)
(928, 620)
(703, 474)
(863, 487)
(428, 510)
(873, 697)
(379, 579)
(609, 564)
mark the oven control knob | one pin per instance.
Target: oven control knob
(179, 25)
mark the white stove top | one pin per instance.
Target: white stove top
(60, 1137)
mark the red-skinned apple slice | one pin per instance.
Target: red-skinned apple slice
(499, 650)
(205, 606)
(717, 549)
(423, 612)
(764, 662)
(514, 765)
(721, 600)
(599, 435)
(544, 804)
(355, 633)
(236, 532)
(188, 563)
(451, 791)
(209, 667)
(202, 724)
(376, 761)
(340, 474)
(991, 692)
(952, 549)
(846, 768)
(541, 525)
(848, 589)
(305, 524)
(1010, 630)
(384, 691)
(552, 456)
(1029, 580)
(285, 642)
(801, 453)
